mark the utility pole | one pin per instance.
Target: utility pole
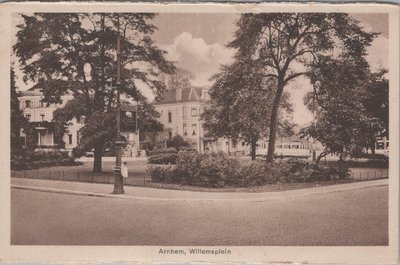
(118, 181)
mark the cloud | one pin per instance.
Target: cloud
(200, 58)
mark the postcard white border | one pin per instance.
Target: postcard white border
(353, 255)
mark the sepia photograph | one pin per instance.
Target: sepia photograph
(198, 131)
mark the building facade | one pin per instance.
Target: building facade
(40, 115)
(180, 111)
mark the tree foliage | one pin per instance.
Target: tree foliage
(281, 42)
(241, 98)
(18, 121)
(346, 118)
(74, 53)
(177, 142)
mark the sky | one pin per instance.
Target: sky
(197, 42)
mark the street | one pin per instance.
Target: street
(350, 217)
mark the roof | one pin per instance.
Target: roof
(189, 94)
(31, 92)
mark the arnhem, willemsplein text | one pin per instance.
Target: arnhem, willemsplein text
(195, 251)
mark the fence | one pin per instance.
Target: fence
(142, 179)
(79, 176)
(361, 175)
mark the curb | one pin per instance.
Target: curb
(269, 195)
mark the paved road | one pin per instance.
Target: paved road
(342, 218)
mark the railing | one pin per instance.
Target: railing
(143, 179)
(79, 176)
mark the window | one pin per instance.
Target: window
(41, 104)
(28, 116)
(170, 134)
(28, 104)
(184, 113)
(78, 137)
(194, 112)
(41, 117)
(194, 129)
(185, 129)
(69, 138)
(169, 116)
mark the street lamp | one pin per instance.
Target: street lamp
(118, 180)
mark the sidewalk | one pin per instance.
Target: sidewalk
(144, 193)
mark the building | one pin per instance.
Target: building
(40, 114)
(180, 111)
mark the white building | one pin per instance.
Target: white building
(180, 113)
(40, 114)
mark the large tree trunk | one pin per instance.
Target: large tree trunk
(273, 123)
(98, 154)
(253, 149)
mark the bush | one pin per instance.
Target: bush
(163, 174)
(206, 170)
(163, 158)
(216, 170)
(295, 170)
(160, 151)
(38, 159)
(177, 142)
(256, 173)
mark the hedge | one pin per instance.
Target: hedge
(216, 170)
(38, 159)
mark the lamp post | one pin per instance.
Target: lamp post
(118, 180)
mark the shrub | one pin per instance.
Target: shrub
(159, 151)
(163, 158)
(37, 159)
(254, 173)
(177, 142)
(163, 174)
(217, 170)
(295, 170)
(208, 170)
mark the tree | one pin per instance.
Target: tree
(75, 53)
(18, 120)
(239, 105)
(280, 42)
(343, 123)
(181, 78)
(177, 142)
(376, 99)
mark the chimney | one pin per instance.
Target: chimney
(178, 93)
